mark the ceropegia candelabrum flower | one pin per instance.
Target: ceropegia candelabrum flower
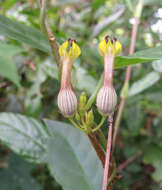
(67, 100)
(106, 97)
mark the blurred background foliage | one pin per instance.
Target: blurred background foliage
(29, 85)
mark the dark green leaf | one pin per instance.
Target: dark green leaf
(72, 159)
(139, 57)
(24, 135)
(18, 175)
(22, 33)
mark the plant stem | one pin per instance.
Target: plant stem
(45, 28)
(129, 161)
(72, 121)
(97, 147)
(108, 154)
(128, 71)
(100, 124)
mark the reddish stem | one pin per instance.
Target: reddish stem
(66, 74)
(108, 69)
(108, 154)
(127, 78)
(97, 147)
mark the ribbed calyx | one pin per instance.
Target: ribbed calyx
(67, 100)
(106, 100)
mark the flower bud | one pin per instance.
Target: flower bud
(67, 102)
(90, 118)
(83, 99)
(77, 117)
(106, 100)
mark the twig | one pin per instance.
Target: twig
(97, 147)
(128, 71)
(45, 28)
(108, 154)
(129, 161)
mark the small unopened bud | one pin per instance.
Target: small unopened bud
(67, 102)
(83, 99)
(77, 116)
(90, 118)
(106, 100)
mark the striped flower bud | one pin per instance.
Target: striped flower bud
(106, 100)
(67, 100)
(106, 97)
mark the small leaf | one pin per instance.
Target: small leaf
(144, 83)
(24, 135)
(139, 57)
(72, 159)
(18, 175)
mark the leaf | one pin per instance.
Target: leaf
(18, 175)
(144, 83)
(23, 33)
(8, 70)
(84, 81)
(24, 135)
(153, 156)
(7, 50)
(72, 159)
(147, 55)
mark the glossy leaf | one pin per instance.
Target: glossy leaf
(24, 135)
(72, 159)
(144, 83)
(18, 175)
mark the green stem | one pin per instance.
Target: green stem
(93, 96)
(42, 18)
(100, 124)
(72, 121)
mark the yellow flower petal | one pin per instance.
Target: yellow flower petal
(73, 53)
(102, 47)
(110, 46)
(62, 49)
(118, 48)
